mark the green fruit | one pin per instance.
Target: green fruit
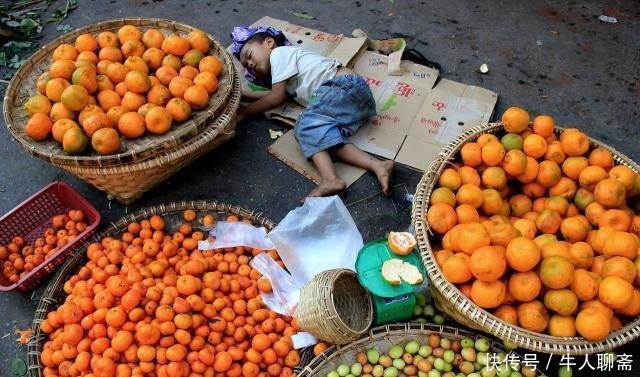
(417, 310)
(474, 374)
(466, 367)
(412, 347)
(378, 371)
(468, 354)
(372, 356)
(333, 373)
(445, 343)
(343, 370)
(482, 344)
(421, 299)
(438, 319)
(74, 141)
(448, 367)
(448, 356)
(396, 351)
(399, 364)
(486, 372)
(356, 369)
(510, 345)
(512, 141)
(421, 320)
(503, 370)
(565, 371)
(425, 351)
(428, 311)
(422, 374)
(439, 364)
(482, 358)
(390, 372)
(515, 373)
(350, 375)
(460, 375)
(528, 371)
(466, 342)
(433, 373)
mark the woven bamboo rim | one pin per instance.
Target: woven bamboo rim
(383, 338)
(127, 182)
(452, 302)
(22, 86)
(54, 293)
(335, 307)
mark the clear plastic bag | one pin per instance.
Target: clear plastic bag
(285, 292)
(318, 236)
(236, 233)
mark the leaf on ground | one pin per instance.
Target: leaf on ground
(64, 28)
(304, 16)
(18, 367)
(24, 336)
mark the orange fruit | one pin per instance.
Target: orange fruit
(443, 195)
(563, 326)
(175, 45)
(619, 243)
(515, 162)
(115, 113)
(549, 173)
(401, 243)
(584, 285)
(108, 98)
(105, 141)
(55, 87)
(543, 125)
(135, 63)
(199, 40)
(37, 104)
(524, 286)
(74, 141)
(131, 125)
(38, 127)
(179, 109)
(494, 177)
(456, 268)
(548, 221)
(573, 166)
(533, 316)
(534, 146)
(615, 292)
(110, 53)
(86, 42)
(565, 187)
(86, 77)
(561, 301)
(615, 218)
(556, 272)
(470, 194)
(159, 95)
(179, 85)
(450, 179)
(192, 58)
(488, 263)
(593, 324)
(515, 119)
(522, 254)
(211, 64)
(60, 127)
(610, 193)
(624, 175)
(574, 142)
(581, 254)
(488, 294)
(137, 81)
(152, 38)
(441, 217)
(196, 96)
(94, 122)
(132, 101)
(467, 214)
(493, 153)
(207, 80)
(129, 32)
(601, 157)
(65, 51)
(62, 69)
(474, 235)
(158, 120)
(621, 267)
(502, 234)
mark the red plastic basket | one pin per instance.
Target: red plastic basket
(33, 216)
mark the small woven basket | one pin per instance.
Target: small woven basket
(334, 307)
(172, 213)
(145, 162)
(383, 338)
(463, 310)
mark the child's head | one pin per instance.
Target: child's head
(253, 46)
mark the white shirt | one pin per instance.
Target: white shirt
(303, 70)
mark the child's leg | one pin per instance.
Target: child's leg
(330, 183)
(382, 169)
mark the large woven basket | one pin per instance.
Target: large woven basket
(383, 338)
(335, 307)
(172, 213)
(456, 305)
(23, 86)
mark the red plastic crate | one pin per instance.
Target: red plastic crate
(32, 217)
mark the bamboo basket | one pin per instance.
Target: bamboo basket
(23, 85)
(335, 307)
(142, 163)
(383, 338)
(451, 301)
(172, 213)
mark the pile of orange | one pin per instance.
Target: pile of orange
(540, 229)
(18, 258)
(150, 303)
(121, 84)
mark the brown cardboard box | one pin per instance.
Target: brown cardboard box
(415, 120)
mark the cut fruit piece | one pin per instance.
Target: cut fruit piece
(410, 274)
(401, 243)
(391, 271)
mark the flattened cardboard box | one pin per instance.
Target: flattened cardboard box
(415, 120)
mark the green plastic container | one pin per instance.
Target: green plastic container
(391, 303)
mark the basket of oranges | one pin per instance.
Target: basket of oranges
(141, 297)
(530, 232)
(123, 104)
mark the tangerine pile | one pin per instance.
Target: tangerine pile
(150, 303)
(125, 84)
(18, 258)
(539, 230)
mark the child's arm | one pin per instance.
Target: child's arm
(275, 97)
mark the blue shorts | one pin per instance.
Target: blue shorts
(336, 111)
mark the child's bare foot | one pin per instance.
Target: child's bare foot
(384, 172)
(328, 187)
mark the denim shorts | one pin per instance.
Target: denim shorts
(337, 109)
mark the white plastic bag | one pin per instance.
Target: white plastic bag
(236, 233)
(319, 236)
(285, 292)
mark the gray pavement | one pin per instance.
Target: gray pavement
(549, 57)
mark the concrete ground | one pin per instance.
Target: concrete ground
(557, 59)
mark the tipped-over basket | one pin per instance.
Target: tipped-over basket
(383, 338)
(140, 163)
(462, 309)
(334, 307)
(172, 214)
